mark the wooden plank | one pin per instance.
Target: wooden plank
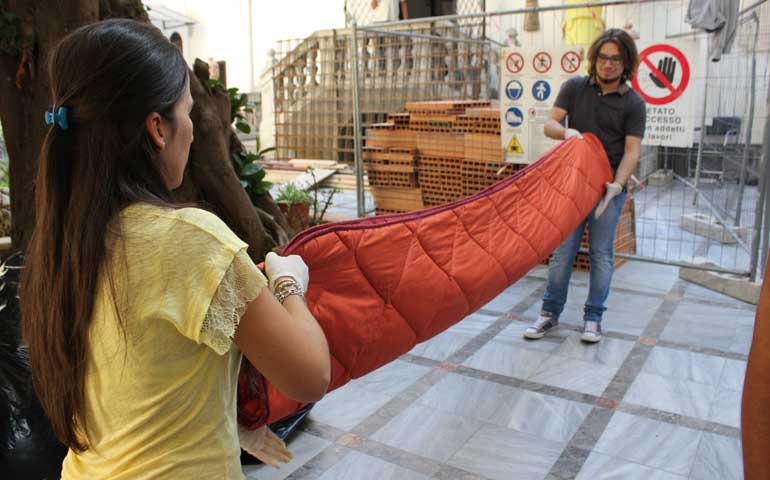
(344, 181)
(303, 180)
(307, 181)
(280, 176)
(299, 162)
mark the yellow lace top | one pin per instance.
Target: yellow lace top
(161, 390)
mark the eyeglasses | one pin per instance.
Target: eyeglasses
(615, 59)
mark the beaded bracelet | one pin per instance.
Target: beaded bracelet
(286, 288)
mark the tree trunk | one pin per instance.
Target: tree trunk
(25, 96)
(278, 225)
(24, 92)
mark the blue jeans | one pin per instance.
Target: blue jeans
(601, 236)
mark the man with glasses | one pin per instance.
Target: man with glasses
(603, 104)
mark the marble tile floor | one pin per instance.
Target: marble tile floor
(658, 398)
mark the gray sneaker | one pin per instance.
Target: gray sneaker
(542, 325)
(592, 332)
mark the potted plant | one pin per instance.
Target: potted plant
(295, 205)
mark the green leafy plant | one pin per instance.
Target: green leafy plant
(314, 203)
(291, 194)
(251, 173)
(239, 106)
(295, 205)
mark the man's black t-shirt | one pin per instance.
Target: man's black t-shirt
(610, 117)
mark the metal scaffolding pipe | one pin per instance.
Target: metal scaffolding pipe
(357, 151)
(750, 123)
(759, 213)
(716, 214)
(514, 11)
(699, 156)
(426, 37)
(674, 263)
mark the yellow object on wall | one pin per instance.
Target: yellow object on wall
(582, 25)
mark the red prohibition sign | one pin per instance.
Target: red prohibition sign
(674, 91)
(514, 63)
(570, 62)
(541, 62)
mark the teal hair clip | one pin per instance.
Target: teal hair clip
(57, 117)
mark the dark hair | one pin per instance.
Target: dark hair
(625, 44)
(110, 75)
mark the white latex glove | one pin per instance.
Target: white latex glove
(571, 132)
(292, 266)
(613, 189)
(265, 445)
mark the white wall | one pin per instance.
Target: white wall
(292, 19)
(222, 30)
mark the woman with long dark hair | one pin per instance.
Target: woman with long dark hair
(135, 310)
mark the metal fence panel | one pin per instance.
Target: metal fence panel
(693, 204)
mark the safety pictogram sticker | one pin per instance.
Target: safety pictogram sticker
(541, 90)
(541, 62)
(514, 63)
(668, 71)
(514, 117)
(570, 62)
(514, 89)
(514, 146)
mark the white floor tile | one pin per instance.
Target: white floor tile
(574, 374)
(671, 395)
(718, 458)
(356, 466)
(304, 447)
(657, 445)
(427, 432)
(501, 454)
(604, 467)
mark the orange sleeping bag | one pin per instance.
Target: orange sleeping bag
(381, 285)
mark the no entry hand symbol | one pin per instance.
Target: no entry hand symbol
(664, 75)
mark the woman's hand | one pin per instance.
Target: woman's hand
(265, 445)
(292, 266)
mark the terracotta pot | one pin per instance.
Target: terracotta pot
(297, 214)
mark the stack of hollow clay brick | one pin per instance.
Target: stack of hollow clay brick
(434, 153)
(438, 152)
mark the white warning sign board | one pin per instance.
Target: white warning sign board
(530, 82)
(665, 80)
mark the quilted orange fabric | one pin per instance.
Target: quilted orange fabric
(379, 286)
